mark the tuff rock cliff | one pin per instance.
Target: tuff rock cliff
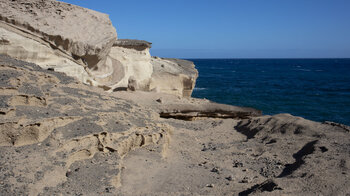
(83, 43)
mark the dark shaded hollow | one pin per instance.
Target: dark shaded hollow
(268, 185)
(307, 149)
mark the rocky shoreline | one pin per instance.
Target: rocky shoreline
(134, 129)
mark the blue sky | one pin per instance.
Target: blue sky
(233, 28)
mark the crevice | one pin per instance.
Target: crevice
(307, 149)
(323, 149)
(192, 115)
(244, 129)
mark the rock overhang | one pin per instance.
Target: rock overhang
(133, 44)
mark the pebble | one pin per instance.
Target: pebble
(210, 185)
(215, 170)
(230, 178)
(237, 164)
(244, 180)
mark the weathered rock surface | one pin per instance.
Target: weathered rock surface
(58, 136)
(61, 137)
(287, 156)
(52, 34)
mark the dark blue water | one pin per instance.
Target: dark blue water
(316, 89)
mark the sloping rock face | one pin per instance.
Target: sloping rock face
(58, 136)
(72, 39)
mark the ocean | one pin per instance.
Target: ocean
(316, 89)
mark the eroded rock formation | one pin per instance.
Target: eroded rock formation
(58, 136)
(137, 70)
(83, 43)
(131, 60)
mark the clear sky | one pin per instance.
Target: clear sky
(233, 28)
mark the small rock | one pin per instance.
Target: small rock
(229, 178)
(108, 189)
(215, 170)
(204, 149)
(244, 180)
(68, 173)
(159, 100)
(210, 185)
(237, 164)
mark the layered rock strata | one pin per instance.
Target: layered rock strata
(58, 136)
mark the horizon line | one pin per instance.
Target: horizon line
(263, 58)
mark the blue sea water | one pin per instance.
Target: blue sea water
(316, 89)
